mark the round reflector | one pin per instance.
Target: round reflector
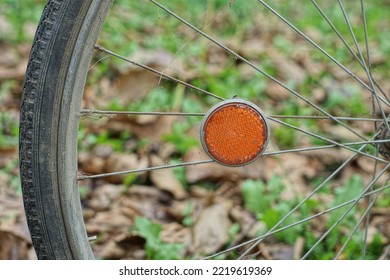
(234, 132)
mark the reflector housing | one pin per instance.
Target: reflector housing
(234, 132)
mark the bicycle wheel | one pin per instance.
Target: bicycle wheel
(62, 47)
(234, 132)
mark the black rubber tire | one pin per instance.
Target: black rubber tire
(49, 119)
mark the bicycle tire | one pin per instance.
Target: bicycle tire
(50, 111)
(63, 45)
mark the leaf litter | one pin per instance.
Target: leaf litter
(206, 213)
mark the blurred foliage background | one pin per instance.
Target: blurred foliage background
(196, 211)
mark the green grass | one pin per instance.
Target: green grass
(263, 199)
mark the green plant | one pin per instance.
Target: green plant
(155, 247)
(233, 230)
(188, 219)
(259, 197)
(332, 243)
(285, 137)
(158, 99)
(180, 173)
(180, 138)
(253, 193)
(264, 200)
(129, 180)
(348, 100)
(84, 191)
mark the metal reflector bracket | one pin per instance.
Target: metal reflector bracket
(234, 132)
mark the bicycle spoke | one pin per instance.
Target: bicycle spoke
(364, 215)
(365, 33)
(239, 57)
(158, 73)
(375, 93)
(319, 187)
(336, 31)
(326, 118)
(346, 212)
(352, 34)
(273, 118)
(85, 177)
(305, 149)
(87, 112)
(326, 139)
(369, 65)
(349, 72)
(364, 249)
(347, 45)
(381, 89)
(368, 54)
(272, 232)
(360, 60)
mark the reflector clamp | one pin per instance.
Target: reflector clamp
(234, 132)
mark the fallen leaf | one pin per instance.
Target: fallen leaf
(132, 85)
(123, 162)
(104, 196)
(147, 201)
(13, 247)
(210, 232)
(176, 233)
(282, 252)
(165, 179)
(152, 131)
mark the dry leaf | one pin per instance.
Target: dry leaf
(211, 229)
(165, 179)
(123, 162)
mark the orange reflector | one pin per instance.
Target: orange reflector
(234, 132)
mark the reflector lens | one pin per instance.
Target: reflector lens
(234, 132)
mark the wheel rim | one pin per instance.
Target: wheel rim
(375, 138)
